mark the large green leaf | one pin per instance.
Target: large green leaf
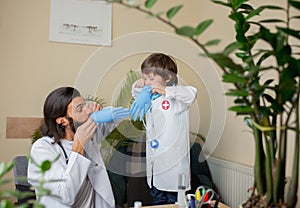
(173, 11)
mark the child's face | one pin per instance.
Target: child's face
(154, 80)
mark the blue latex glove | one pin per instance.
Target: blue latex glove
(109, 114)
(141, 104)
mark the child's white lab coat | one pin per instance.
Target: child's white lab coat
(74, 173)
(167, 131)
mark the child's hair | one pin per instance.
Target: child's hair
(162, 65)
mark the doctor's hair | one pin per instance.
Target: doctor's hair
(56, 105)
(162, 65)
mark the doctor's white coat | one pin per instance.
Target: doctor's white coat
(167, 132)
(74, 173)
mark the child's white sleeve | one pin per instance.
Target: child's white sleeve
(135, 90)
(185, 94)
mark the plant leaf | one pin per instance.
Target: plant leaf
(173, 11)
(186, 31)
(221, 3)
(291, 32)
(271, 21)
(237, 93)
(150, 3)
(225, 61)
(4, 168)
(202, 26)
(212, 42)
(295, 17)
(241, 109)
(254, 13)
(237, 3)
(46, 165)
(230, 48)
(113, 1)
(124, 96)
(295, 4)
(233, 78)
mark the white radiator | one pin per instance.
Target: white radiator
(232, 180)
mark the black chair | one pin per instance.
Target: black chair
(20, 176)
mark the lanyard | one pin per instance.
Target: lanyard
(63, 149)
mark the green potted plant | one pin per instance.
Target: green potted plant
(269, 105)
(128, 130)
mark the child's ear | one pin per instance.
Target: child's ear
(169, 80)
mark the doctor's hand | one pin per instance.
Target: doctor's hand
(110, 114)
(141, 104)
(83, 134)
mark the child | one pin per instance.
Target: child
(166, 106)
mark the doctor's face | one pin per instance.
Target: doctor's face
(78, 112)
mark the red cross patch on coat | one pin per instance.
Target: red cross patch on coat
(165, 105)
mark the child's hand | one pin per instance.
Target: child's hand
(140, 83)
(94, 106)
(141, 104)
(158, 90)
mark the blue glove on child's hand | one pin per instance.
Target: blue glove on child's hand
(109, 114)
(141, 104)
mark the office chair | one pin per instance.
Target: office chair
(20, 176)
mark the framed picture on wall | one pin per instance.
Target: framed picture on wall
(81, 22)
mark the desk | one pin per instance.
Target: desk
(220, 205)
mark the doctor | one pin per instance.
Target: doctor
(69, 131)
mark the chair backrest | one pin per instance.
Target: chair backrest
(20, 170)
(20, 175)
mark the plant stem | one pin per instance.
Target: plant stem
(259, 162)
(293, 187)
